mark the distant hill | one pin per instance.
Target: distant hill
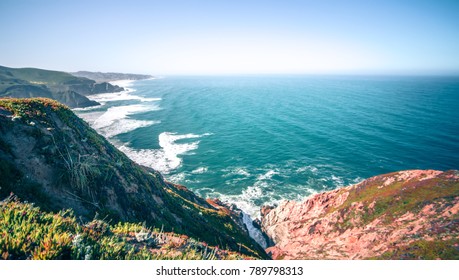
(60, 86)
(107, 77)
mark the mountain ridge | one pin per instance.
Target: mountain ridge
(110, 76)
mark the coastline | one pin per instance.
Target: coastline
(348, 200)
(248, 219)
(248, 187)
(99, 97)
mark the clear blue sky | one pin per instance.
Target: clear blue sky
(232, 37)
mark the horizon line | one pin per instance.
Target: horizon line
(395, 73)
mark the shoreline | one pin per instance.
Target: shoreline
(243, 201)
(249, 217)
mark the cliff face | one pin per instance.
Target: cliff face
(404, 215)
(52, 158)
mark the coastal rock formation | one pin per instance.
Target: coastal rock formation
(52, 158)
(403, 215)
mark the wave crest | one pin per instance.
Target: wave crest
(167, 158)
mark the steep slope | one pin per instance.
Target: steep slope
(28, 233)
(404, 215)
(60, 86)
(52, 158)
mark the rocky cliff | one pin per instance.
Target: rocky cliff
(52, 158)
(404, 215)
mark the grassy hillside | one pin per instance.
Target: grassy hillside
(51, 157)
(60, 86)
(40, 76)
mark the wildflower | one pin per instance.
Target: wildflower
(77, 240)
(88, 254)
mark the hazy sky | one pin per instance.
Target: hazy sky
(232, 37)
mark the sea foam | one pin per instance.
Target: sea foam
(268, 175)
(116, 119)
(200, 170)
(103, 98)
(125, 95)
(167, 158)
(236, 171)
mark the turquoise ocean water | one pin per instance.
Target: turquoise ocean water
(255, 140)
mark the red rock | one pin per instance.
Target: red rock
(378, 215)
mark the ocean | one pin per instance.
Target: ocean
(255, 140)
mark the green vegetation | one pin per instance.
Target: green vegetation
(28, 233)
(54, 159)
(394, 199)
(425, 250)
(38, 76)
(29, 108)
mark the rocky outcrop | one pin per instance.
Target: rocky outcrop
(84, 87)
(404, 215)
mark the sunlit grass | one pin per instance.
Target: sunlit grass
(29, 233)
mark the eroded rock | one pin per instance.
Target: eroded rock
(407, 214)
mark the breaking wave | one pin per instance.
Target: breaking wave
(116, 120)
(167, 158)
